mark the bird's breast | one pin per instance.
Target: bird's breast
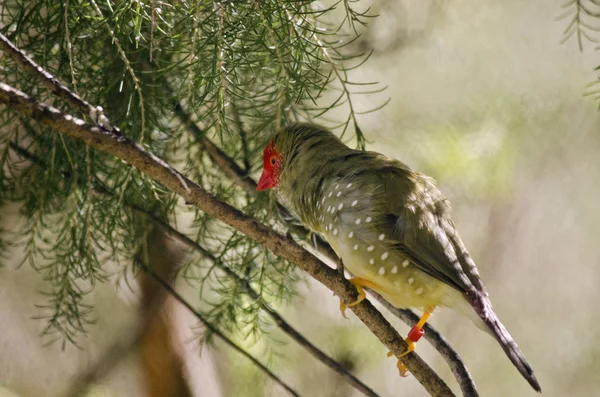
(357, 235)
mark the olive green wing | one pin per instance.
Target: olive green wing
(418, 217)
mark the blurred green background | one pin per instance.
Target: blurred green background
(485, 99)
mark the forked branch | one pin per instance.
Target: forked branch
(125, 149)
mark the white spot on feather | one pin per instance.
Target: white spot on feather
(370, 248)
(381, 237)
(355, 247)
(411, 280)
(368, 219)
(381, 271)
(395, 269)
(384, 256)
(354, 202)
(405, 263)
(357, 221)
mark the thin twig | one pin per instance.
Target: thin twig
(215, 331)
(223, 161)
(275, 45)
(336, 71)
(120, 348)
(217, 156)
(134, 78)
(45, 78)
(226, 164)
(69, 46)
(54, 85)
(220, 68)
(147, 163)
(230, 168)
(439, 343)
(125, 345)
(279, 321)
(243, 138)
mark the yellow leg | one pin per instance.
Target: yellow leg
(359, 283)
(411, 340)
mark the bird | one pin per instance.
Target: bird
(390, 226)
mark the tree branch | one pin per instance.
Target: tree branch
(217, 156)
(233, 171)
(132, 153)
(281, 323)
(455, 362)
(277, 318)
(54, 85)
(214, 330)
(123, 346)
(240, 177)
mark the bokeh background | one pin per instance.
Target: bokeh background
(487, 100)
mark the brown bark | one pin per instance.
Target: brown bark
(130, 152)
(160, 360)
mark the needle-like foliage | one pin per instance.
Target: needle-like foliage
(239, 69)
(583, 18)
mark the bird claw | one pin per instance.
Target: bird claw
(359, 283)
(343, 308)
(402, 370)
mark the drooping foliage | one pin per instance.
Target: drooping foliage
(239, 69)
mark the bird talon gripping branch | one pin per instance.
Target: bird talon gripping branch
(359, 283)
(402, 370)
(390, 226)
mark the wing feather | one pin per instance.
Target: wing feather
(418, 217)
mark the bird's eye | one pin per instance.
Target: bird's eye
(272, 160)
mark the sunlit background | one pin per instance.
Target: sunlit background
(484, 98)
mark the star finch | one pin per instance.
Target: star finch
(391, 227)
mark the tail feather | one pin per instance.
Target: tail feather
(483, 307)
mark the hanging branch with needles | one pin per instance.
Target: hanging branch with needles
(125, 149)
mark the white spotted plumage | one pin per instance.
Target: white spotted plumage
(417, 260)
(352, 235)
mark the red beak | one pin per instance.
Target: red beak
(266, 181)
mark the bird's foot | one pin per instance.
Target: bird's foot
(411, 340)
(359, 283)
(402, 370)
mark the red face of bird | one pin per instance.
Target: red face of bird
(272, 165)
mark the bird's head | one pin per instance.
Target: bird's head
(297, 143)
(272, 166)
